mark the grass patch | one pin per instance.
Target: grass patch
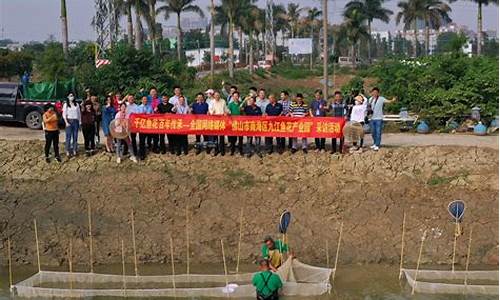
(289, 71)
(238, 178)
(440, 180)
(201, 178)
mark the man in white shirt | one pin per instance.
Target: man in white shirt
(262, 103)
(132, 108)
(175, 98)
(218, 107)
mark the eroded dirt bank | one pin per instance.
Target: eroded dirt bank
(367, 192)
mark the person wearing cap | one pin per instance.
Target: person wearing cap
(88, 127)
(273, 251)
(266, 283)
(357, 118)
(376, 104)
(218, 107)
(209, 96)
(299, 109)
(318, 108)
(72, 119)
(51, 129)
(273, 109)
(166, 108)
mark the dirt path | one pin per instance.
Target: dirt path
(19, 133)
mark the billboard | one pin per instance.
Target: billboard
(300, 46)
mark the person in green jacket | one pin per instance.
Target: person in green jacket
(273, 251)
(267, 283)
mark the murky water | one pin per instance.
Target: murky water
(367, 282)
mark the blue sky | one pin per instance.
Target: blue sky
(26, 20)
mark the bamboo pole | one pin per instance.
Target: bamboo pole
(91, 251)
(123, 269)
(9, 254)
(239, 242)
(402, 247)
(468, 259)
(70, 263)
(327, 254)
(172, 263)
(133, 243)
(455, 236)
(224, 261)
(37, 246)
(187, 240)
(418, 262)
(338, 250)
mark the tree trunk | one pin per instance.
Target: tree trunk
(427, 37)
(130, 25)
(250, 58)
(479, 28)
(415, 31)
(64, 27)
(240, 38)
(212, 40)
(138, 28)
(325, 48)
(370, 42)
(353, 55)
(312, 51)
(152, 30)
(231, 49)
(179, 37)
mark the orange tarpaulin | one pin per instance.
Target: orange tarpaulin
(238, 125)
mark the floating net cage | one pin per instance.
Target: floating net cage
(299, 280)
(453, 282)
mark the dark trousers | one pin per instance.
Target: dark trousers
(133, 142)
(52, 137)
(269, 144)
(98, 128)
(163, 145)
(171, 143)
(320, 143)
(232, 142)
(281, 143)
(153, 140)
(142, 145)
(334, 145)
(89, 136)
(181, 144)
(219, 141)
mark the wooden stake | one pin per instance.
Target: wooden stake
(37, 246)
(187, 240)
(70, 263)
(9, 254)
(468, 258)
(418, 261)
(172, 263)
(224, 261)
(91, 251)
(123, 269)
(133, 243)
(402, 247)
(327, 254)
(455, 236)
(338, 250)
(239, 242)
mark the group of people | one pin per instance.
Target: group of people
(113, 116)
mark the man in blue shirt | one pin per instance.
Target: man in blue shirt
(144, 108)
(200, 107)
(318, 108)
(273, 109)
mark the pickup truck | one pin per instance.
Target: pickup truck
(14, 107)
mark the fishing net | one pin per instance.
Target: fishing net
(426, 282)
(299, 280)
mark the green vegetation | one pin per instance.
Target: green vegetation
(440, 180)
(238, 178)
(289, 71)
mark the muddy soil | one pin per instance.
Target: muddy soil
(367, 192)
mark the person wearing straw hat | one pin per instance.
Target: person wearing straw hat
(357, 119)
(273, 251)
(266, 283)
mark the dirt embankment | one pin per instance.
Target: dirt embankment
(367, 192)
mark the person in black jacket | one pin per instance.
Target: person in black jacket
(166, 108)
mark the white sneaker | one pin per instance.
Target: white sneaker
(132, 158)
(375, 148)
(118, 160)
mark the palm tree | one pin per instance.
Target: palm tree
(372, 10)
(352, 30)
(64, 27)
(141, 11)
(177, 7)
(292, 17)
(480, 4)
(124, 7)
(411, 11)
(436, 14)
(251, 24)
(152, 24)
(279, 24)
(312, 22)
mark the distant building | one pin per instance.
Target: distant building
(14, 47)
(195, 56)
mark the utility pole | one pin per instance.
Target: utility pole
(269, 30)
(325, 48)
(212, 40)
(64, 27)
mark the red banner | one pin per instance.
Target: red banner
(327, 127)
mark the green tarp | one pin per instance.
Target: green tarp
(57, 90)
